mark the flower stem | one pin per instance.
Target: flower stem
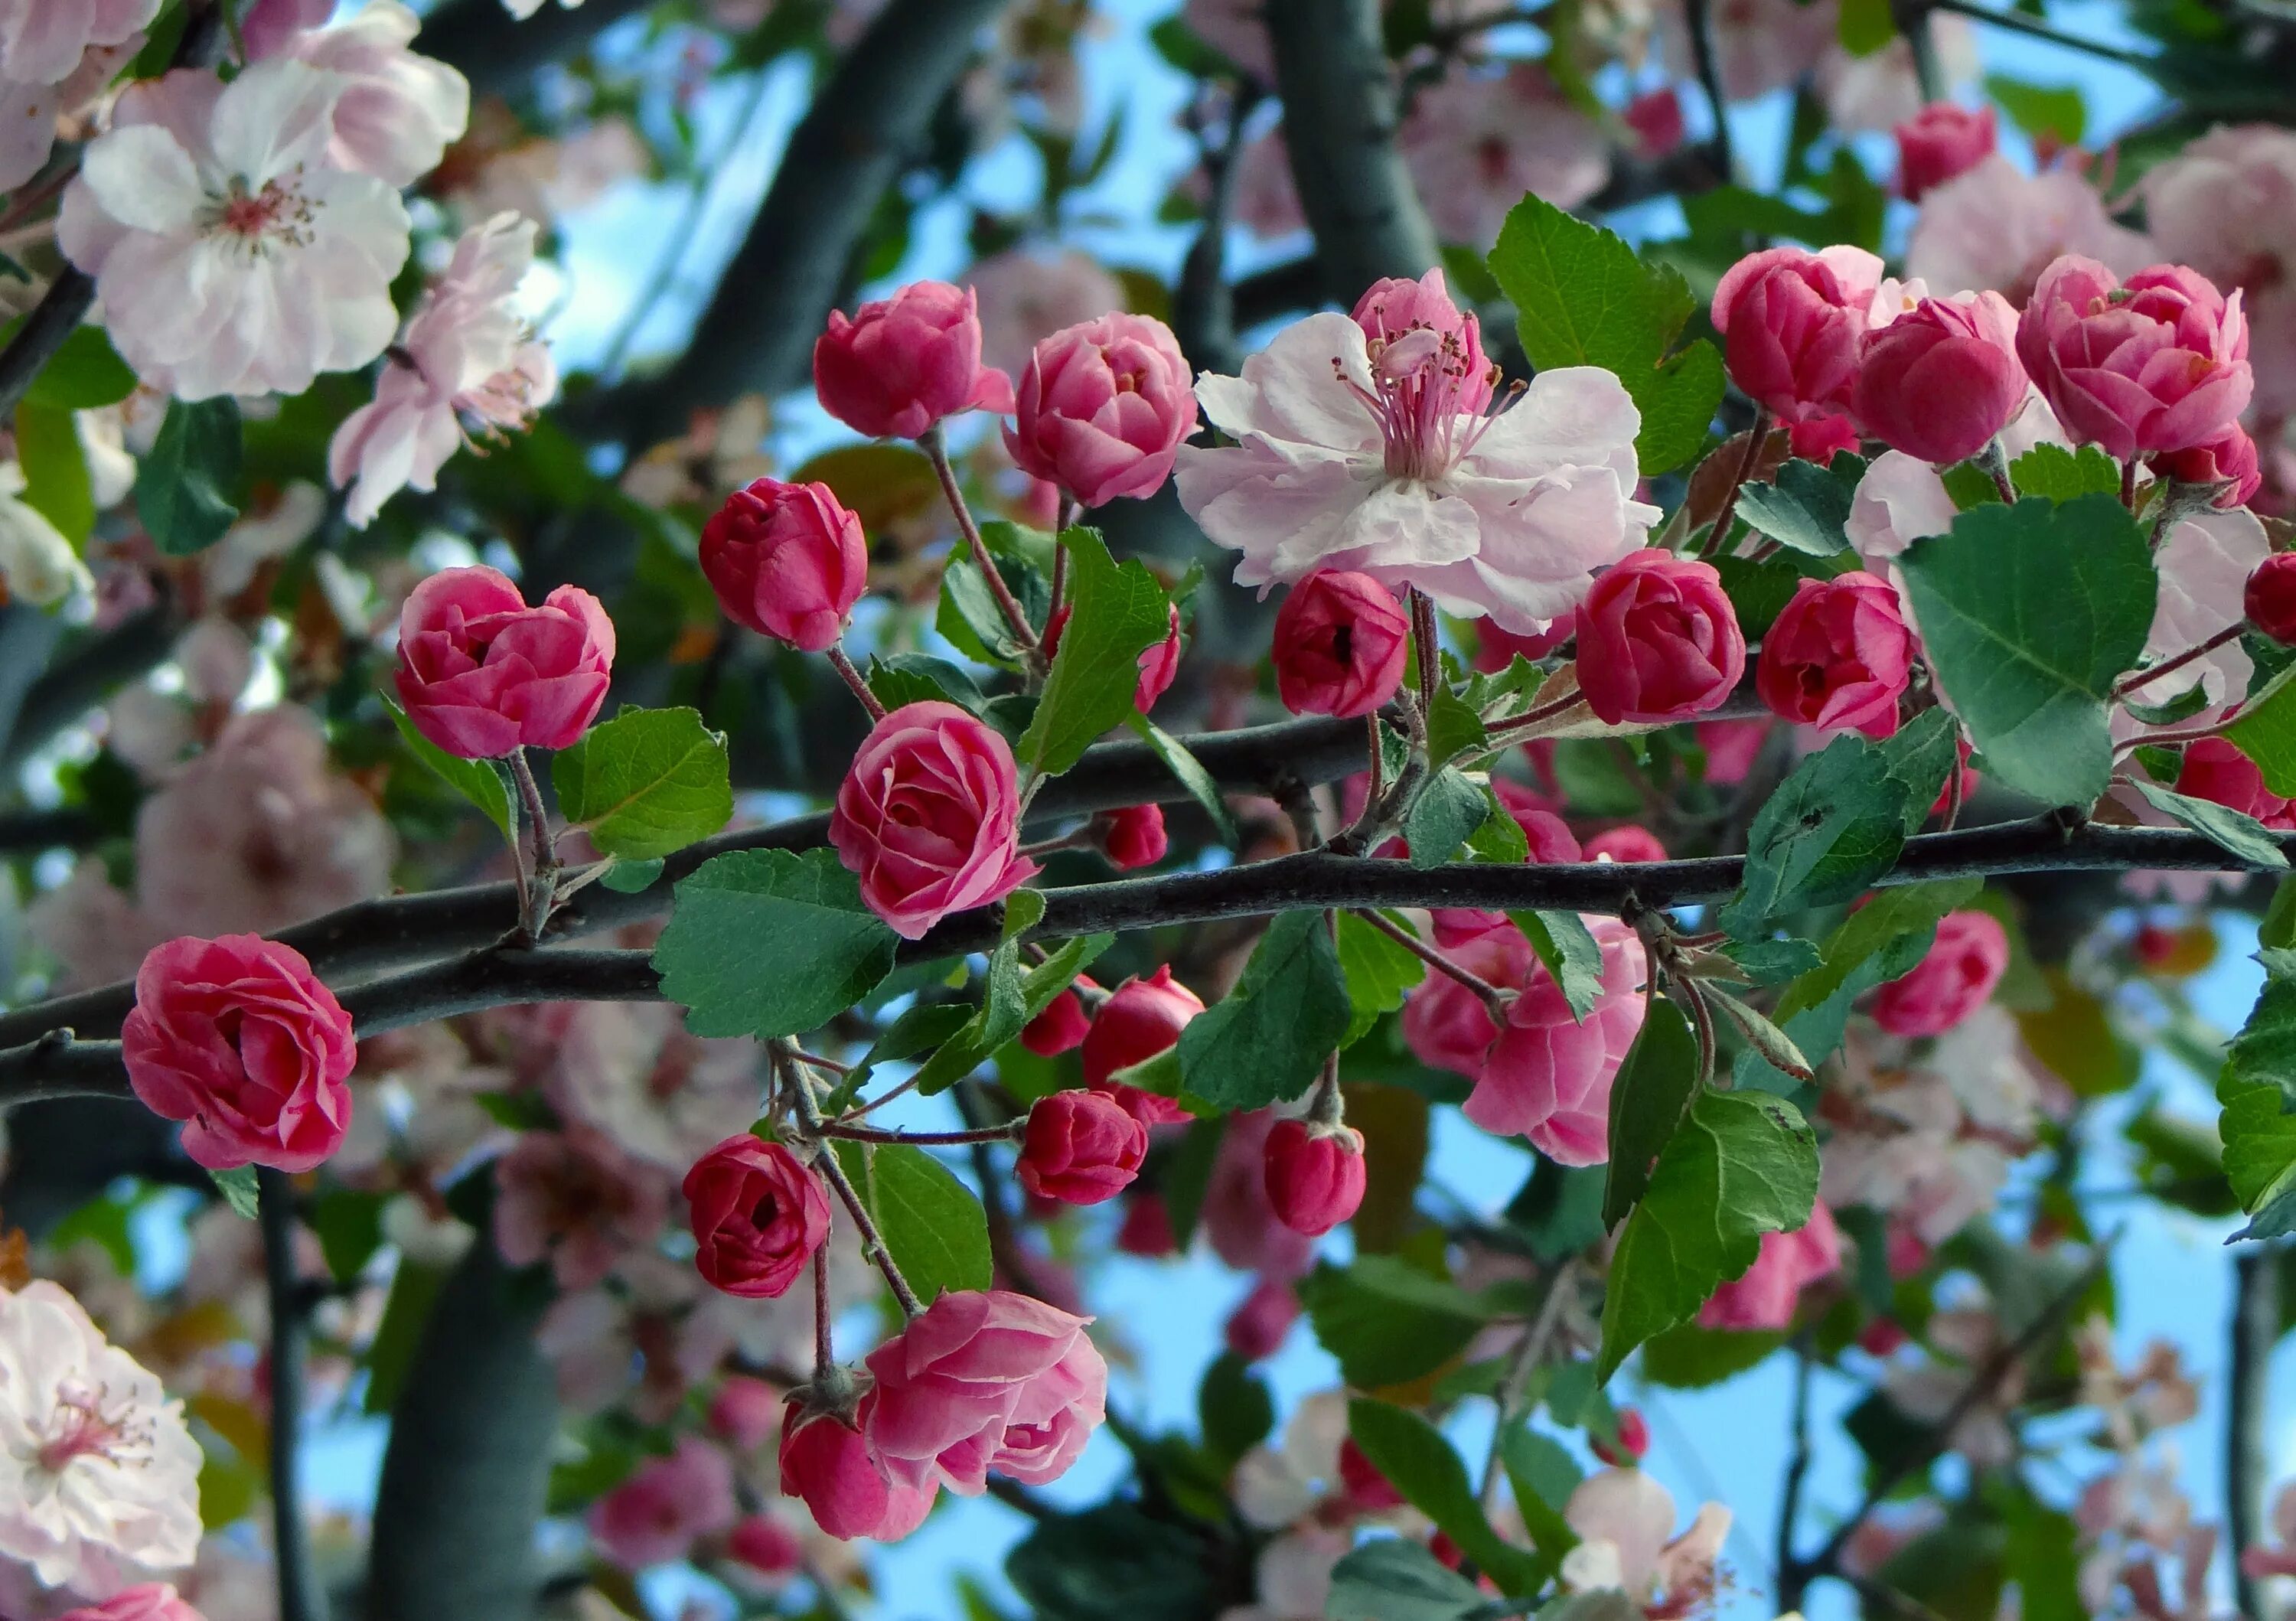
(1718, 538)
(822, 1357)
(873, 1242)
(538, 886)
(936, 451)
(1423, 638)
(1493, 997)
(2144, 677)
(843, 666)
(870, 1133)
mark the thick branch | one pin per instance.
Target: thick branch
(300, 1596)
(2254, 1330)
(495, 51)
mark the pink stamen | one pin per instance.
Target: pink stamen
(85, 1431)
(1421, 383)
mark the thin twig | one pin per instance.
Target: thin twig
(1789, 1584)
(2017, 23)
(1699, 16)
(2150, 673)
(935, 449)
(1493, 998)
(870, 1133)
(540, 859)
(843, 666)
(1718, 538)
(1525, 1361)
(873, 1242)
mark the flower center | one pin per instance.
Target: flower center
(82, 1428)
(1422, 383)
(277, 216)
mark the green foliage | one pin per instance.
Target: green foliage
(770, 943)
(1396, 1579)
(237, 1186)
(2234, 830)
(56, 484)
(2055, 113)
(1806, 508)
(647, 783)
(1387, 1322)
(2029, 612)
(1422, 1465)
(1447, 808)
(1649, 1098)
(184, 488)
(1014, 998)
(1565, 944)
(2058, 474)
(1268, 1039)
(1120, 612)
(1233, 1409)
(2258, 1091)
(2265, 731)
(1072, 1565)
(908, 678)
(481, 782)
(933, 1227)
(84, 373)
(1582, 297)
(1378, 972)
(1190, 773)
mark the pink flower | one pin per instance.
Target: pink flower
(145, 1601)
(1838, 655)
(1063, 1025)
(1314, 1175)
(1731, 745)
(1548, 841)
(1393, 308)
(1146, 1230)
(1658, 640)
(1102, 407)
(1547, 1075)
(574, 1199)
(928, 817)
(2217, 771)
(1340, 642)
(1941, 380)
(237, 1038)
(1953, 981)
(2225, 205)
(1475, 142)
(1625, 1521)
(656, 1515)
(2269, 598)
(41, 43)
(1237, 1217)
(1940, 143)
(786, 560)
(1159, 665)
(1445, 1023)
(1821, 439)
(29, 108)
(766, 1546)
(1792, 321)
(900, 364)
(1656, 118)
(1496, 648)
(1132, 837)
(985, 1381)
(481, 673)
(1023, 296)
(2229, 460)
(1764, 1298)
(2159, 363)
(230, 255)
(758, 1216)
(1262, 1319)
(1628, 843)
(398, 111)
(1143, 1019)
(1081, 1147)
(745, 1413)
(1996, 227)
(826, 1462)
(466, 356)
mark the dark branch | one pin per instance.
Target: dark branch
(2254, 1330)
(56, 316)
(494, 50)
(301, 1598)
(86, 678)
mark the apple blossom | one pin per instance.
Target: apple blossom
(2157, 363)
(1082, 1147)
(758, 1216)
(1475, 142)
(1996, 227)
(398, 111)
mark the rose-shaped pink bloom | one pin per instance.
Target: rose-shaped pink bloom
(1262, 1319)
(657, 1514)
(1658, 640)
(1838, 656)
(1941, 141)
(1548, 1076)
(828, 1466)
(1821, 439)
(1394, 305)
(145, 1601)
(1963, 964)
(1445, 1023)
(1790, 322)
(574, 1199)
(1132, 837)
(1062, 1026)
(1102, 407)
(2219, 772)
(1731, 745)
(1942, 378)
(1765, 1297)
(1314, 1175)
(1340, 640)
(1081, 1147)
(2229, 459)
(237, 1038)
(929, 817)
(481, 673)
(2159, 363)
(902, 363)
(758, 1216)
(1140, 1019)
(786, 560)
(984, 1382)
(2269, 601)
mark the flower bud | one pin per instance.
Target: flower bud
(1765, 1296)
(745, 1412)
(1628, 843)
(1257, 1327)
(766, 1546)
(1963, 964)
(1102, 408)
(758, 1214)
(1658, 640)
(1314, 1174)
(786, 560)
(1940, 141)
(1159, 664)
(144, 1601)
(1063, 1025)
(1340, 640)
(1791, 321)
(1132, 837)
(1838, 655)
(2217, 771)
(1081, 1147)
(825, 1461)
(481, 674)
(2269, 599)
(2228, 459)
(2157, 363)
(1656, 118)
(900, 364)
(1633, 1440)
(1143, 1019)
(1821, 439)
(1941, 380)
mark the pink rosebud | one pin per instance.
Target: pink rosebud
(1633, 1440)
(2269, 599)
(1963, 964)
(1262, 1319)
(2217, 771)
(1821, 439)
(2228, 459)
(1547, 1075)
(786, 560)
(1731, 745)
(1340, 640)
(1942, 378)
(758, 1214)
(1102, 407)
(1236, 1217)
(1143, 1019)
(1791, 321)
(1314, 1175)
(1940, 143)
(745, 1413)
(1628, 843)
(1146, 1230)
(902, 363)
(1658, 640)
(928, 817)
(1081, 1147)
(481, 673)
(145, 1601)
(2158, 363)
(766, 1546)
(1063, 1025)
(827, 1464)
(657, 1514)
(984, 1382)
(237, 1038)
(1656, 118)
(1394, 307)
(1132, 837)
(1838, 656)
(1765, 1297)
(1496, 649)
(1159, 665)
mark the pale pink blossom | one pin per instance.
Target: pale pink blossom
(1624, 1522)
(29, 110)
(99, 1475)
(1900, 499)
(1968, 1342)
(1998, 227)
(1759, 45)
(467, 363)
(1547, 1075)
(1024, 295)
(632, 1070)
(574, 1199)
(2225, 205)
(1345, 459)
(1881, 91)
(230, 255)
(399, 110)
(1266, 202)
(1276, 1486)
(2203, 565)
(1238, 1218)
(664, 1507)
(1474, 144)
(42, 42)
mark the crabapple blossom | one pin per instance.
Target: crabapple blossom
(1262, 1320)
(1475, 142)
(1996, 227)
(827, 1464)
(1548, 1075)
(1082, 1147)
(1627, 843)
(1142, 1017)
(2204, 563)
(898, 366)
(758, 1216)
(1941, 141)
(1658, 640)
(2214, 770)
(1940, 381)
(144, 1601)
(1131, 837)
(1023, 296)
(2227, 462)
(43, 42)
(658, 1513)
(1792, 323)
(2157, 363)
(481, 674)
(1624, 1522)
(1952, 981)
(2225, 205)
(1340, 642)
(1102, 407)
(1315, 1174)
(789, 561)
(1838, 655)
(37, 565)
(29, 108)
(574, 1199)
(1061, 1027)
(2269, 598)
(398, 111)
(1765, 1297)
(1238, 1217)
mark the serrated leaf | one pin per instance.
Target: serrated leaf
(1772, 961)
(2265, 731)
(1832, 827)
(1190, 772)
(1119, 612)
(2060, 474)
(933, 1227)
(1447, 809)
(481, 782)
(1759, 591)
(1266, 1040)
(1741, 1164)
(2257, 1089)
(1423, 1466)
(631, 877)
(2028, 614)
(2233, 830)
(1895, 914)
(1563, 943)
(1923, 750)
(770, 943)
(1386, 1321)
(1649, 1098)
(647, 783)
(85, 372)
(1498, 839)
(1378, 970)
(1807, 507)
(184, 485)
(238, 1188)
(1453, 728)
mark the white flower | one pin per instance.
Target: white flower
(1881, 91)
(231, 258)
(1345, 460)
(1474, 144)
(398, 111)
(1625, 1521)
(1900, 499)
(1998, 227)
(42, 42)
(2204, 566)
(97, 1469)
(37, 565)
(467, 353)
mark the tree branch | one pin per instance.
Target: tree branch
(495, 51)
(2254, 1330)
(301, 1598)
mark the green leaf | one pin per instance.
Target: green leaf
(2265, 731)
(1923, 750)
(1422, 1465)
(1759, 591)
(647, 783)
(1583, 298)
(1446, 810)
(1378, 972)
(1013, 998)
(1190, 772)
(1742, 1164)
(1865, 26)
(1396, 1579)
(1893, 914)
(1805, 510)
(631, 877)
(84, 373)
(1692, 1358)
(2234, 830)
(1386, 1321)
(933, 1227)
(2056, 113)
(770, 943)
(1233, 1408)
(1572, 959)
(2257, 1089)
(2065, 475)
(348, 1224)
(1777, 1049)
(1769, 961)
(2029, 612)
(1498, 839)
(1267, 1040)
(1119, 611)
(406, 1313)
(1832, 828)
(1453, 728)
(908, 678)
(1648, 1099)
(237, 1186)
(183, 487)
(968, 615)
(2278, 929)
(56, 483)
(481, 782)
(1072, 1566)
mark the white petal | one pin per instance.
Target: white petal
(1571, 415)
(144, 180)
(1289, 390)
(274, 116)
